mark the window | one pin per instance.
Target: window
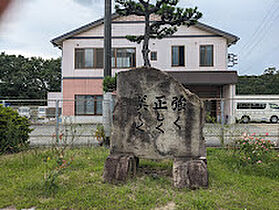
(88, 105)
(178, 56)
(123, 58)
(99, 58)
(206, 55)
(89, 58)
(153, 56)
(251, 105)
(86, 58)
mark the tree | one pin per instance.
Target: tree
(270, 71)
(267, 83)
(28, 78)
(170, 17)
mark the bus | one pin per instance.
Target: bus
(256, 111)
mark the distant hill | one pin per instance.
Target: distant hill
(267, 83)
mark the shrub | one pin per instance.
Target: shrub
(100, 134)
(253, 150)
(56, 162)
(110, 83)
(14, 131)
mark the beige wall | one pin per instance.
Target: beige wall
(163, 48)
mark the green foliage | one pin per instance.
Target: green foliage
(57, 160)
(110, 83)
(209, 118)
(170, 17)
(267, 83)
(100, 134)
(81, 186)
(55, 164)
(253, 150)
(29, 78)
(14, 131)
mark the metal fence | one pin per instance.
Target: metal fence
(75, 120)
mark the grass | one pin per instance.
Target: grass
(81, 185)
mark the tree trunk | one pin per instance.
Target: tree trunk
(145, 49)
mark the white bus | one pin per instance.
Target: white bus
(256, 110)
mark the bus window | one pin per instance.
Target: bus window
(274, 106)
(251, 105)
(258, 106)
(243, 105)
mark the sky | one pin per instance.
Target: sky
(29, 25)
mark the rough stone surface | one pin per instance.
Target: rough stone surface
(190, 173)
(155, 117)
(118, 167)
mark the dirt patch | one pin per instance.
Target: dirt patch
(169, 206)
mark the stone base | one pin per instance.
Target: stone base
(118, 167)
(190, 173)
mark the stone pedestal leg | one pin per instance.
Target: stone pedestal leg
(118, 167)
(190, 173)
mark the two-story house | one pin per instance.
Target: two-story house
(196, 56)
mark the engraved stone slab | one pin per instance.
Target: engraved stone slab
(155, 117)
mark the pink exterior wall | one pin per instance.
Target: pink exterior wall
(72, 87)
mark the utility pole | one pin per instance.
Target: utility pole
(107, 38)
(107, 71)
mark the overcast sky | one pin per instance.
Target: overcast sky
(29, 25)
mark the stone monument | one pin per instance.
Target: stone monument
(155, 117)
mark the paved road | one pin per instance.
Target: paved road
(84, 134)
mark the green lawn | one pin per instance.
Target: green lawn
(81, 185)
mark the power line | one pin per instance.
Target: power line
(264, 55)
(259, 32)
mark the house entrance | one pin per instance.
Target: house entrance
(210, 95)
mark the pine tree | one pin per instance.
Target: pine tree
(169, 18)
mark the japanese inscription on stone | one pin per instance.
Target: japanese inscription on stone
(177, 104)
(156, 117)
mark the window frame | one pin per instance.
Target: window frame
(212, 59)
(156, 55)
(95, 105)
(172, 65)
(114, 53)
(94, 58)
(251, 105)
